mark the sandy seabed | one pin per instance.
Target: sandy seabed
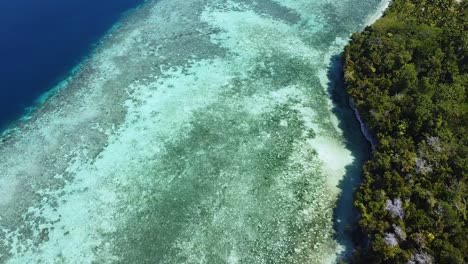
(198, 131)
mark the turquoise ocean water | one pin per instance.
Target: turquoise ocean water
(196, 131)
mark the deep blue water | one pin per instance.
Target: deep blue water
(42, 40)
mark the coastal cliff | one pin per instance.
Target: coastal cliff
(363, 125)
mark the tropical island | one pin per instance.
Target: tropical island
(407, 75)
(215, 131)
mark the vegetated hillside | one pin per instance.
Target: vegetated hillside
(408, 77)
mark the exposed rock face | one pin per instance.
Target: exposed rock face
(364, 128)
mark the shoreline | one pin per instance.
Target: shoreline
(350, 182)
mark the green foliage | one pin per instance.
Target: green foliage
(408, 77)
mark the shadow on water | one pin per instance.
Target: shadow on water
(345, 216)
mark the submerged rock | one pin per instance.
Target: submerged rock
(197, 131)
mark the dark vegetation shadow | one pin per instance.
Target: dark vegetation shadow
(345, 217)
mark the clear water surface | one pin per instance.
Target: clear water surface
(41, 41)
(197, 131)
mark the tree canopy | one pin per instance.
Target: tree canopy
(408, 76)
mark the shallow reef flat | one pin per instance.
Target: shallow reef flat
(198, 131)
